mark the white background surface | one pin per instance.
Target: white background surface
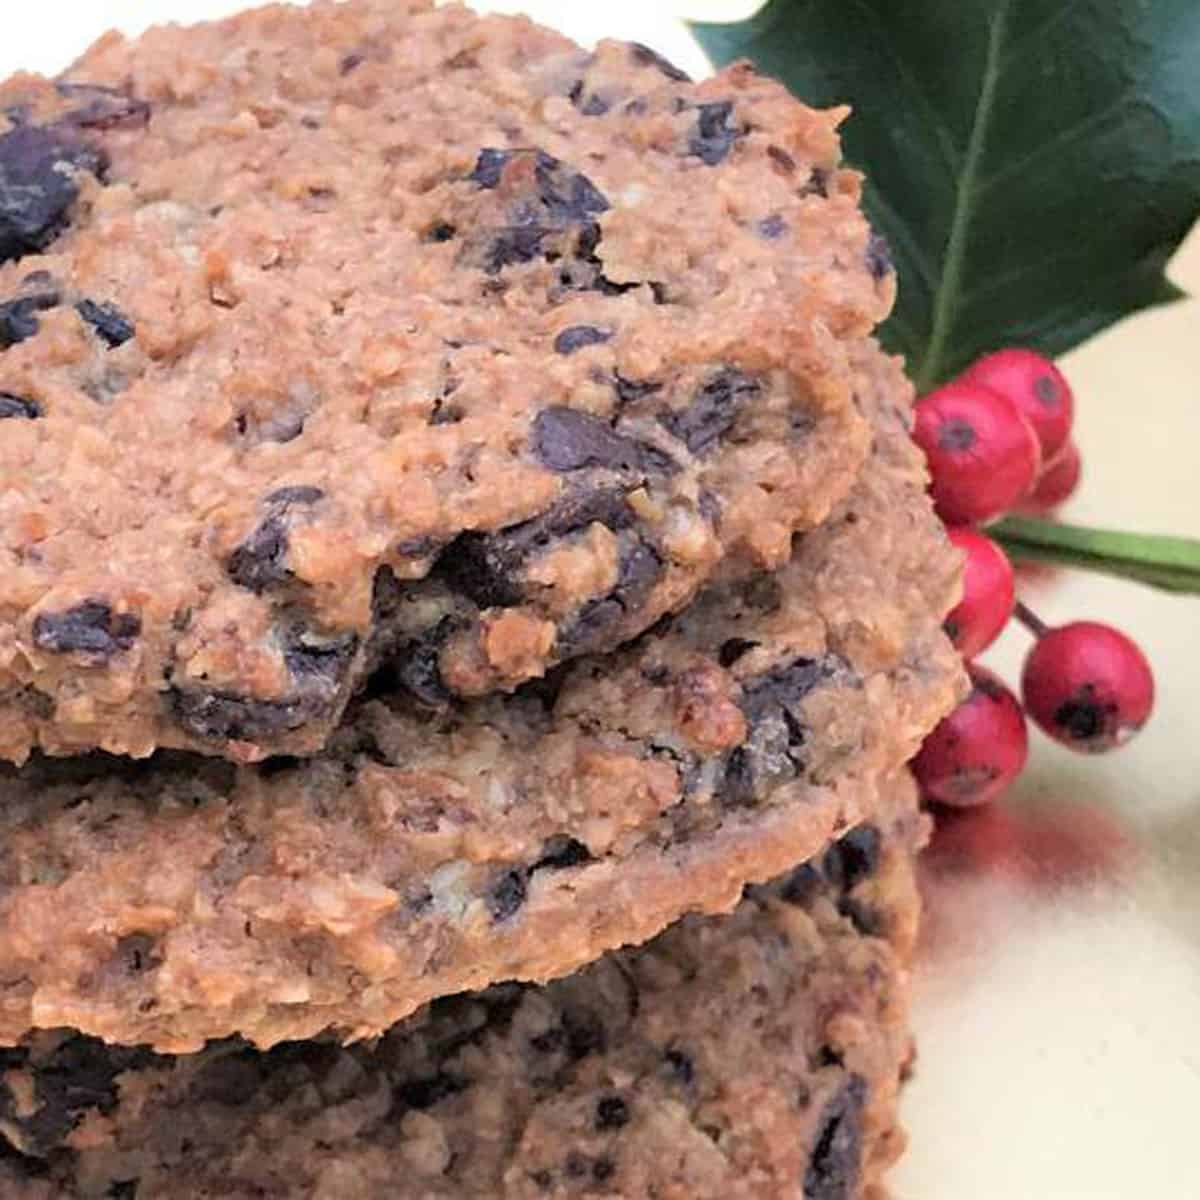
(1061, 1059)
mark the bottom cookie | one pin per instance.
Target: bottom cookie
(756, 1055)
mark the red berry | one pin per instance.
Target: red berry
(1088, 686)
(983, 455)
(1058, 480)
(1036, 386)
(979, 749)
(988, 593)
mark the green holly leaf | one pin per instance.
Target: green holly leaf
(1032, 163)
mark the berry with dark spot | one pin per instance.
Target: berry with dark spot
(1035, 386)
(983, 454)
(988, 593)
(1058, 480)
(1088, 686)
(979, 749)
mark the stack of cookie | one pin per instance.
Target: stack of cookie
(460, 550)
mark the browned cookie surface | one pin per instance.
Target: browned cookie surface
(750, 1057)
(432, 852)
(322, 300)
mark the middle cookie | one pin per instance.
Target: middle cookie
(425, 854)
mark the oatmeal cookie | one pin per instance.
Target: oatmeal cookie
(319, 301)
(750, 1057)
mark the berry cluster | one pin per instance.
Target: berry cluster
(998, 438)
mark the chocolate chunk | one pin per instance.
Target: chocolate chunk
(590, 105)
(18, 318)
(592, 629)
(515, 244)
(569, 195)
(319, 669)
(416, 666)
(879, 257)
(488, 167)
(612, 1113)
(560, 852)
(713, 138)
(443, 231)
(866, 919)
(835, 1166)
(320, 662)
(575, 337)
(561, 199)
(603, 1169)
(112, 326)
(645, 57)
(485, 566)
(37, 187)
(19, 406)
(733, 649)
(680, 1065)
(853, 858)
(103, 107)
(216, 714)
(300, 493)
(774, 745)
(630, 391)
(506, 895)
(818, 183)
(91, 628)
(564, 194)
(772, 227)
(713, 410)
(566, 439)
(260, 562)
(801, 884)
(425, 1093)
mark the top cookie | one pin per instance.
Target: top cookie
(315, 297)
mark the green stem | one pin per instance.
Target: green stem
(1170, 563)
